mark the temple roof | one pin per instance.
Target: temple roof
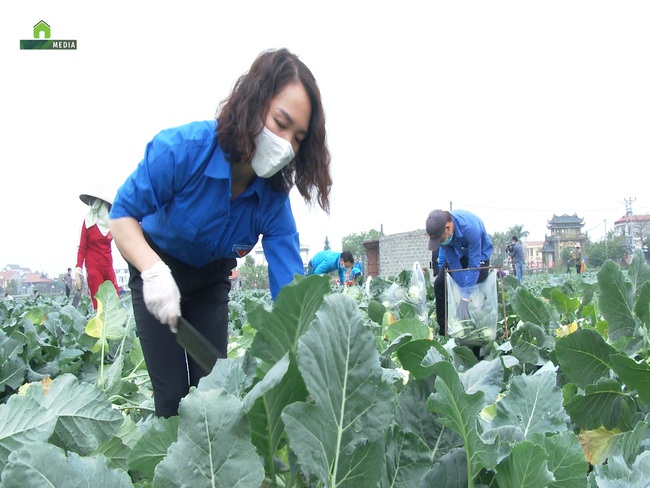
(566, 221)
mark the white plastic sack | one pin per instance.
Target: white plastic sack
(414, 292)
(418, 293)
(483, 310)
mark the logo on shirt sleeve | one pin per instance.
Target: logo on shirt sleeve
(242, 249)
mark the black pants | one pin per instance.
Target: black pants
(439, 289)
(204, 304)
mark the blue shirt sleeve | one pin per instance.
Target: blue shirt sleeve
(342, 270)
(322, 267)
(167, 165)
(281, 245)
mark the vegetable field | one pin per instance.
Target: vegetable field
(341, 387)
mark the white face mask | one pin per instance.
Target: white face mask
(272, 153)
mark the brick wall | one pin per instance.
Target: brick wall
(398, 252)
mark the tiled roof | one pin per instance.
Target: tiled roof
(635, 219)
(566, 219)
(36, 278)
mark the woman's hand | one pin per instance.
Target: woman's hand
(78, 278)
(161, 294)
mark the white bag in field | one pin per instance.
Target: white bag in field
(483, 311)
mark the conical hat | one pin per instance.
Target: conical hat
(99, 192)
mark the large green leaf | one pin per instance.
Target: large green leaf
(603, 403)
(531, 344)
(566, 459)
(408, 459)
(635, 375)
(525, 467)
(584, 356)
(413, 326)
(23, 422)
(213, 446)
(228, 374)
(563, 303)
(459, 412)
(45, 465)
(85, 417)
(616, 301)
(12, 365)
(631, 441)
(450, 472)
(339, 438)
(530, 308)
(268, 433)
(376, 311)
(278, 331)
(532, 405)
(639, 271)
(110, 320)
(642, 305)
(617, 474)
(412, 354)
(159, 433)
(485, 376)
(423, 440)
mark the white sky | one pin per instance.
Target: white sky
(514, 110)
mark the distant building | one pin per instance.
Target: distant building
(533, 255)
(636, 228)
(566, 230)
(122, 276)
(26, 280)
(235, 279)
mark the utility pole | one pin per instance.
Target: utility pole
(628, 217)
(605, 221)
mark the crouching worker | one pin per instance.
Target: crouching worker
(462, 243)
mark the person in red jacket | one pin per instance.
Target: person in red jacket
(95, 244)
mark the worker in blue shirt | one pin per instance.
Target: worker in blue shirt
(203, 195)
(356, 274)
(462, 242)
(326, 261)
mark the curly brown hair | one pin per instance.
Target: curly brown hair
(240, 116)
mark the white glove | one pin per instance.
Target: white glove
(78, 279)
(161, 294)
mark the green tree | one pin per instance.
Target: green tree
(326, 246)
(566, 258)
(12, 287)
(517, 230)
(499, 242)
(501, 239)
(254, 275)
(612, 247)
(354, 242)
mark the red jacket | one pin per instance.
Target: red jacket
(94, 249)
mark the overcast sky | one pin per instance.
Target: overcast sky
(514, 110)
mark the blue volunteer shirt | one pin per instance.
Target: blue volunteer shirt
(470, 240)
(180, 192)
(327, 261)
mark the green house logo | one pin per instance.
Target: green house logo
(42, 31)
(42, 39)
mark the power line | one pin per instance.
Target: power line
(547, 210)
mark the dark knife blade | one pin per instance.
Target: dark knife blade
(77, 298)
(197, 346)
